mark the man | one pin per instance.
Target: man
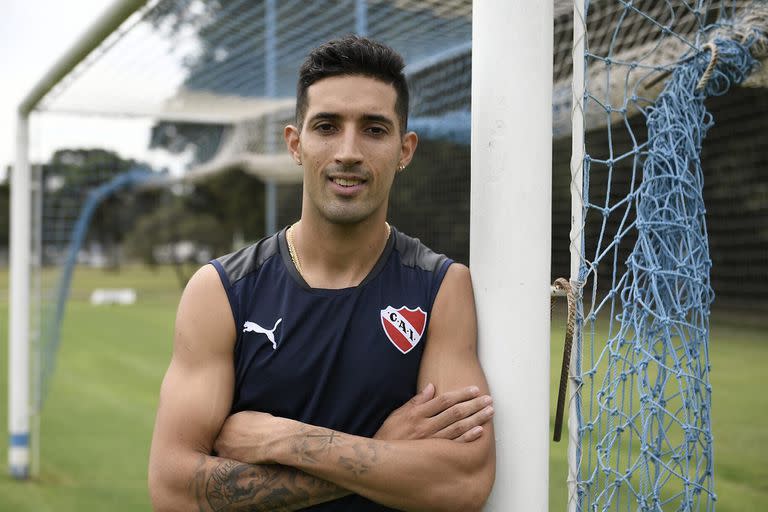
(332, 324)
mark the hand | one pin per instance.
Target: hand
(247, 437)
(457, 415)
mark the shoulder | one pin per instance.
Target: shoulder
(454, 320)
(202, 282)
(460, 273)
(457, 285)
(413, 253)
(204, 323)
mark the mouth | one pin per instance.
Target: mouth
(347, 182)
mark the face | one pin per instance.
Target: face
(351, 147)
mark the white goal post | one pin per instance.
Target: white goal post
(510, 226)
(19, 380)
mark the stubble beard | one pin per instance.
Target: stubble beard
(345, 211)
(336, 212)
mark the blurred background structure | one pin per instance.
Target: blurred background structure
(216, 81)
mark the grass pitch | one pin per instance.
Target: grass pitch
(98, 417)
(738, 350)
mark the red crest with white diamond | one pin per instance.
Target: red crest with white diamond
(404, 327)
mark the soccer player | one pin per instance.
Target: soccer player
(297, 360)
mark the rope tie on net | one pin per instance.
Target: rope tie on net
(562, 285)
(710, 67)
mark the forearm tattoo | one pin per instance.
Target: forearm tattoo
(355, 455)
(227, 485)
(221, 485)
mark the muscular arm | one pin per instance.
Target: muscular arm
(195, 399)
(426, 474)
(225, 484)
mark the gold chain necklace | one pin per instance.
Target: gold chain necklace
(292, 251)
(295, 255)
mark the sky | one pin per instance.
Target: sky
(34, 34)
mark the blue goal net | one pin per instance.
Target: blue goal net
(642, 398)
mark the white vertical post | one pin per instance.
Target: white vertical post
(19, 324)
(18, 312)
(577, 240)
(510, 236)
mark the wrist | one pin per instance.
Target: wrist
(283, 438)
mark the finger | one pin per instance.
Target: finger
(467, 429)
(447, 400)
(458, 428)
(473, 435)
(460, 411)
(425, 395)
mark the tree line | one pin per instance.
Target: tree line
(136, 224)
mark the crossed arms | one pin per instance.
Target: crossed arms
(434, 453)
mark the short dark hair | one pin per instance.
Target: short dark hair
(353, 55)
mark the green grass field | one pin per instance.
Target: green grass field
(97, 423)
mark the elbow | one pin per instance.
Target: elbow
(469, 488)
(165, 498)
(475, 493)
(476, 482)
(476, 500)
(167, 493)
(467, 496)
(158, 499)
(159, 491)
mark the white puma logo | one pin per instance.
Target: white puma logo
(254, 327)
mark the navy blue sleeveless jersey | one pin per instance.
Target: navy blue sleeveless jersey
(342, 359)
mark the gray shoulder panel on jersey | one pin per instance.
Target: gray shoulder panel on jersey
(413, 253)
(248, 259)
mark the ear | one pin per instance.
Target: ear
(293, 142)
(408, 148)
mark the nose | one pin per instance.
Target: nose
(348, 151)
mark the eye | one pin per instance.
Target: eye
(377, 130)
(325, 128)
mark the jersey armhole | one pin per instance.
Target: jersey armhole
(441, 270)
(439, 274)
(228, 290)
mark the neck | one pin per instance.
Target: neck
(338, 255)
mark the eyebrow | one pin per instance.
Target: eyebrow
(377, 118)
